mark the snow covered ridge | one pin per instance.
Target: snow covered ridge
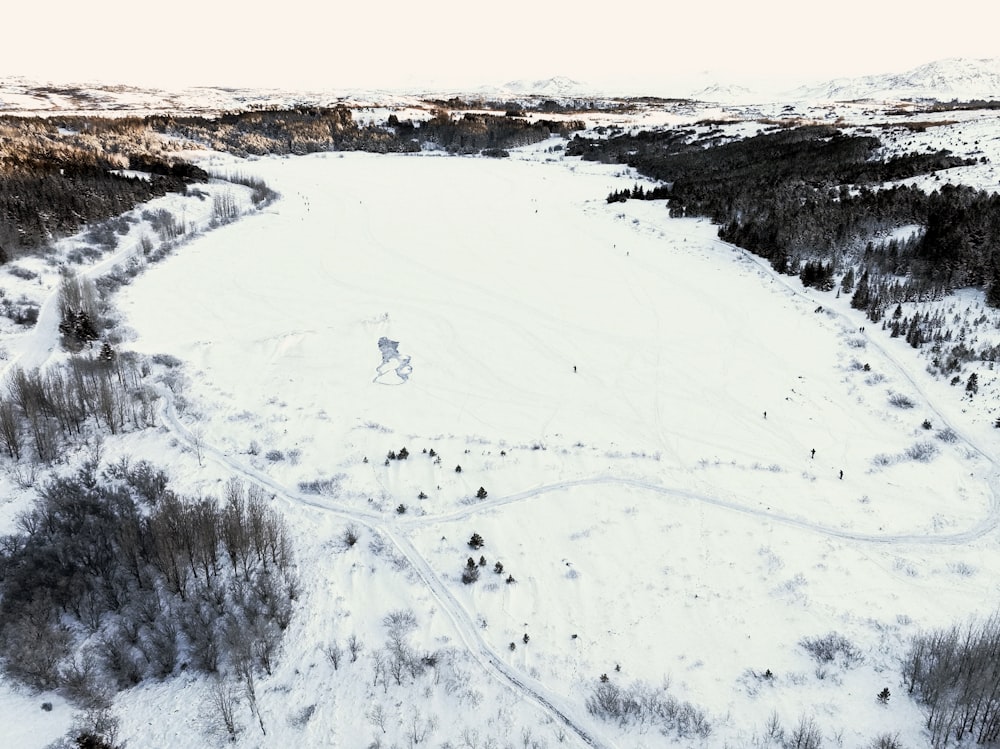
(941, 80)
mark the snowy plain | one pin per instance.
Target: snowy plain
(640, 401)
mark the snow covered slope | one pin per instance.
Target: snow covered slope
(942, 80)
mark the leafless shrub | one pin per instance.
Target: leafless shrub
(350, 536)
(805, 735)
(335, 653)
(830, 648)
(899, 400)
(947, 435)
(886, 741)
(642, 704)
(354, 647)
(922, 452)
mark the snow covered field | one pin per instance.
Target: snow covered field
(689, 465)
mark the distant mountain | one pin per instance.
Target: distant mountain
(557, 86)
(22, 95)
(728, 93)
(943, 80)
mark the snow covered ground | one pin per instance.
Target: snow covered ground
(690, 465)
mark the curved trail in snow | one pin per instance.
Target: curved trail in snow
(464, 625)
(467, 630)
(992, 479)
(981, 528)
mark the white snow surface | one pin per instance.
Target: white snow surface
(640, 401)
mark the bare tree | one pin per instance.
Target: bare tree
(419, 729)
(10, 430)
(244, 667)
(334, 652)
(225, 699)
(378, 716)
(354, 647)
(198, 445)
(378, 669)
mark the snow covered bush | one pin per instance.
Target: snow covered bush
(922, 452)
(644, 705)
(831, 647)
(901, 401)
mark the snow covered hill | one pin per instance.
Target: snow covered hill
(942, 80)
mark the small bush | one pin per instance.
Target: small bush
(922, 452)
(23, 273)
(319, 486)
(886, 741)
(351, 535)
(275, 456)
(166, 360)
(806, 735)
(831, 647)
(947, 435)
(643, 704)
(901, 401)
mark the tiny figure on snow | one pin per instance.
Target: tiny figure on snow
(841, 475)
(813, 455)
(574, 369)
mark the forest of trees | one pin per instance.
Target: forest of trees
(61, 173)
(110, 578)
(954, 674)
(57, 175)
(809, 194)
(302, 130)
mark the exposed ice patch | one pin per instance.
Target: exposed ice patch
(395, 368)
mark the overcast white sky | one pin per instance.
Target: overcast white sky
(368, 43)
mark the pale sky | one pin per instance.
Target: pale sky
(453, 43)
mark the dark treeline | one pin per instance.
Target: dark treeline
(302, 130)
(111, 578)
(57, 174)
(535, 103)
(806, 194)
(472, 133)
(61, 173)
